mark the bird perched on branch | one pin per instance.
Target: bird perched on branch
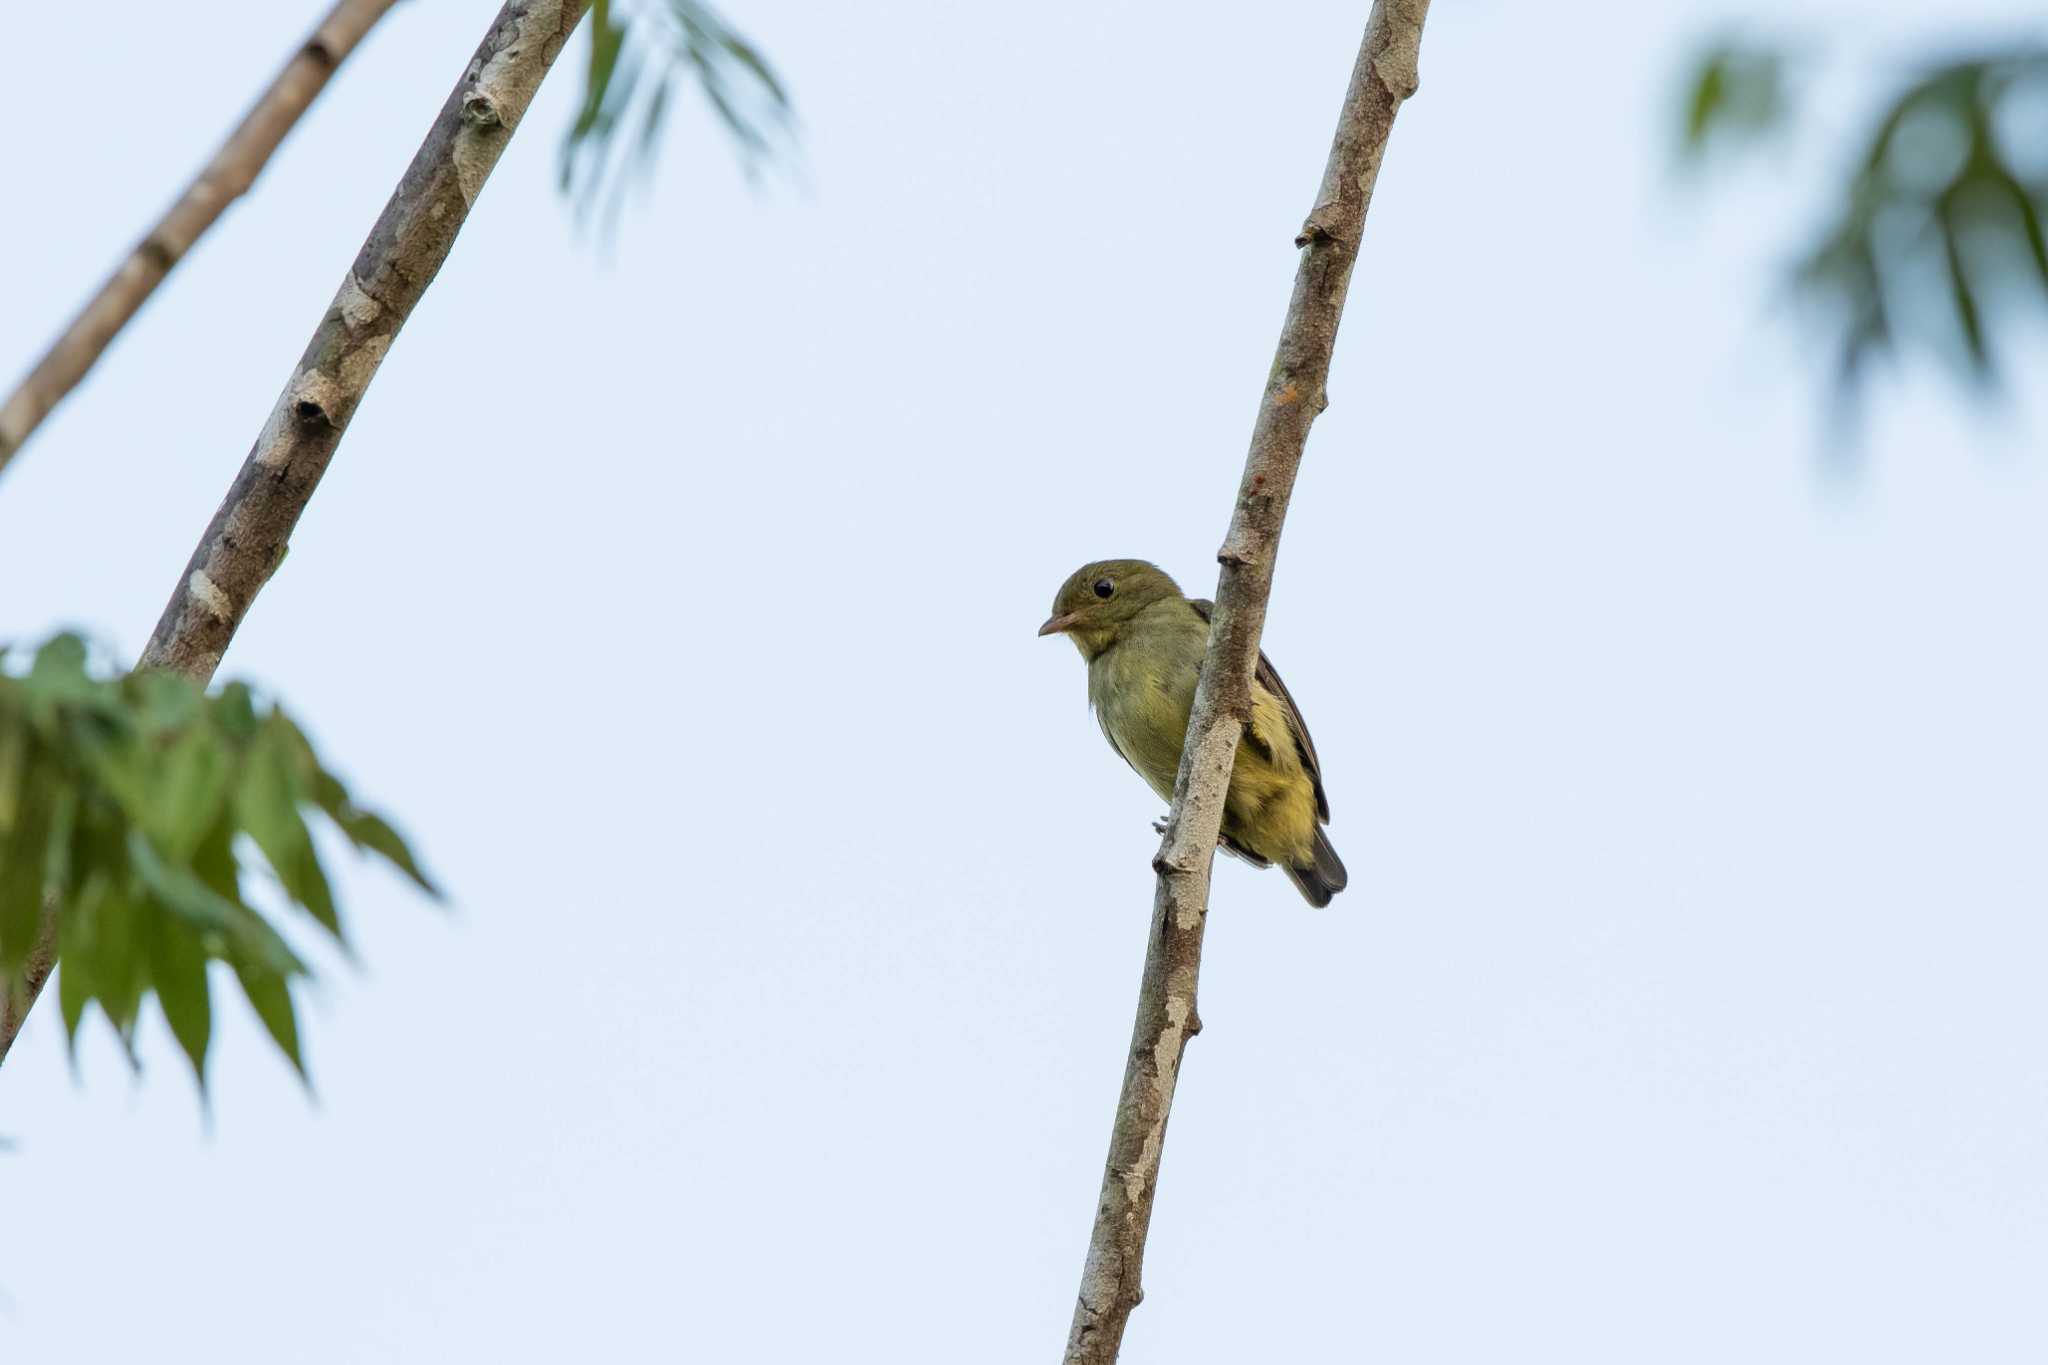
(1144, 642)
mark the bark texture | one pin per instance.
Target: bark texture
(411, 239)
(223, 180)
(17, 995)
(1383, 77)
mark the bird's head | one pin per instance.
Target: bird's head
(1098, 600)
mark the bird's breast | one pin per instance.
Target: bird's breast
(1143, 696)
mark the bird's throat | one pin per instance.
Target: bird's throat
(1092, 641)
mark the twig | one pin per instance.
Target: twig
(223, 180)
(412, 237)
(1383, 77)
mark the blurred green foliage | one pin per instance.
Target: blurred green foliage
(1735, 91)
(639, 51)
(1940, 215)
(131, 808)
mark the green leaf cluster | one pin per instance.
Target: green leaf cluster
(1936, 186)
(638, 54)
(131, 809)
(1940, 214)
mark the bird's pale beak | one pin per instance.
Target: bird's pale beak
(1059, 623)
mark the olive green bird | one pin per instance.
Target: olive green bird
(1144, 643)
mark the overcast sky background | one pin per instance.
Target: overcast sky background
(1686, 1002)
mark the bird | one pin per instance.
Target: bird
(1144, 641)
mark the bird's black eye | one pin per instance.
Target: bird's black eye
(1103, 587)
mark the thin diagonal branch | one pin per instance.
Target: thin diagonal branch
(220, 182)
(406, 248)
(1384, 76)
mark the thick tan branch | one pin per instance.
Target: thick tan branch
(411, 239)
(1110, 1282)
(220, 182)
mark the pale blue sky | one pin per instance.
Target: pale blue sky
(1686, 1003)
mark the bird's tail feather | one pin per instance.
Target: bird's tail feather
(1323, 877)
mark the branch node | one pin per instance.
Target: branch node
(479, 110)
(1316, 229)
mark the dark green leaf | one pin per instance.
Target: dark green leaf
(182, 893)
(193, 780)
(61, 866)
(651, 121)
(1737, 90)
(109, 952)
(74, 993)
(369, 832)
(234, 710)
(267, 804)
(166, 702)
(754, 62)
(1709, 93)
(100, 746)
(214, 861)
(58, 673)
(1964, 297)
(25, 859)
(2003, 182)
(17, 744)
(177, 962)
(270, 996)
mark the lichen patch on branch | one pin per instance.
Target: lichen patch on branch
(357, 308)
(208, 595)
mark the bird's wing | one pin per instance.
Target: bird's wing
(1269, 678)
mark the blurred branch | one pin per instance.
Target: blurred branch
(1940, 218)
(224, 179)
(246, 540)
(639, 51)
(1384, 76)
